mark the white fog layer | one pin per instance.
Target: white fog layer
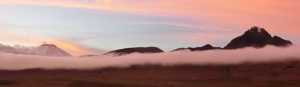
(10, 61)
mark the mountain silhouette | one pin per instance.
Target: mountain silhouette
(203, 48)
(49, 50)
(256, 37)
(126, 51)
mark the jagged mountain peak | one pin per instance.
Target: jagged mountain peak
(256, 37)
(257, 33)
(256, 29)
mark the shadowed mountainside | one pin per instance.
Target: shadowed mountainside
(126, 51)
(256, 37)
(203, 48)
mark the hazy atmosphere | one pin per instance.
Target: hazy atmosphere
(83, 27)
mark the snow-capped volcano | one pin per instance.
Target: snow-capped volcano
(49, 50)
(43, 50)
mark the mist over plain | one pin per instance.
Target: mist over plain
(10, 61)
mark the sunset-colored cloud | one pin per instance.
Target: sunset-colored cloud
(73, 49)
(275, 15)
(185, 25)
(200, 21)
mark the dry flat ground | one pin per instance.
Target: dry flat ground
(284, 74)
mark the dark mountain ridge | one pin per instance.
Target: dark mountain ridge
(125, 51)
(203, 48)
(256, 37)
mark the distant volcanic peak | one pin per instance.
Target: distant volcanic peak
(125, 51)
(256, 37)
(49, 50)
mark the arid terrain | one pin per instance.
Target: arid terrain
(276, 74)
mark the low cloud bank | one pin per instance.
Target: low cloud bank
(9, 61)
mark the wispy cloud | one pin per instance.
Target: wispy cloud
(199, 33)
(74, 49)
(276, 15)
(185, 25)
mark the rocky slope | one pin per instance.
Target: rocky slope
(256, 37)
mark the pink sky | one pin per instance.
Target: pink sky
(277, 16)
